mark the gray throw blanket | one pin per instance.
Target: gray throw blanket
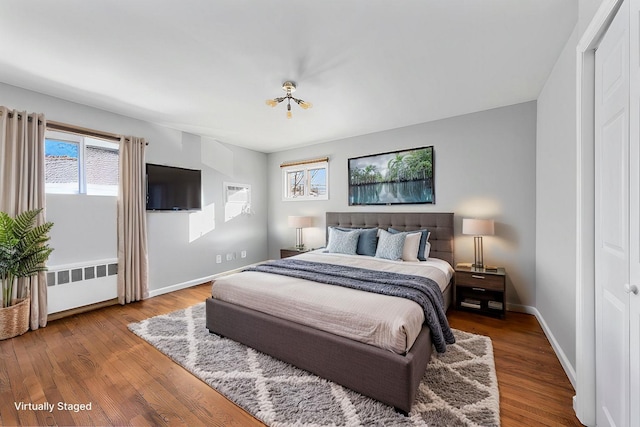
(421, 290)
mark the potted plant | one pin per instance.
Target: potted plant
(23, 253)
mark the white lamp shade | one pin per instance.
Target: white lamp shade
(300, 221)
(478, 227)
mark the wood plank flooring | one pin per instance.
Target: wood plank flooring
(92, 358)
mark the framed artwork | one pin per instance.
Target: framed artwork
(394, 178)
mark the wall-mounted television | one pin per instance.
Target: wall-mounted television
(171, 188)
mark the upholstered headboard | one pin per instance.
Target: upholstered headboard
(439, 224)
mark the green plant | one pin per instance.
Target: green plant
(23, 249)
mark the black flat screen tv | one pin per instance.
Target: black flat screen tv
(171, 188)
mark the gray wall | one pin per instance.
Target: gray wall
(556, 203)
(586, 11)
(82, 225)
(174, 257)
(556, 211)
(484, 167)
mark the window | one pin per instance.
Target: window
(237, 199)
(308, 180)
(77, 164)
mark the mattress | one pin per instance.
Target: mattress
(388, 322)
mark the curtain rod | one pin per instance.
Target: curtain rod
(64, 127)
(30, 119)
(304, 162)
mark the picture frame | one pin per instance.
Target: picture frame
(393, 178)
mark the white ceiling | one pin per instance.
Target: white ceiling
(207, 67)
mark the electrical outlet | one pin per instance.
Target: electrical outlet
(218, 259)
(243, 254)
(229, 256)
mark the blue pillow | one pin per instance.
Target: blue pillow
(390, 246)
(367, 240)
(342, 242)
(423, 241)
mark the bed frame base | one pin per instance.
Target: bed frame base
(381, 374)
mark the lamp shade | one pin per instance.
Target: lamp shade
(478, 227)
(300, 221)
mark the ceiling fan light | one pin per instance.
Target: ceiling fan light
(271, 102)
(305, 104)
(289, 115)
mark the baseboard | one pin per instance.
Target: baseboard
(564, 361)
(194, 282)
(519, 308)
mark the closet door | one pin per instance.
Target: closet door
(612, 223)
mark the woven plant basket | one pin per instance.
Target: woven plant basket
(14, 320)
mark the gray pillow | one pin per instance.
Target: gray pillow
(390, 246)
(342, 242)
(367, 240)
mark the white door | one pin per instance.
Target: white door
(612, 223)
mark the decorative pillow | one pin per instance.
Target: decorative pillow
(427, 250)
(390, 246)
(367, 240)
(342, 242)
(423, 240)
(410, 248)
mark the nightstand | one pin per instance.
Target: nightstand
(481, 291)
(287, 252)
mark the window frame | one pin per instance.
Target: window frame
(246, 204)
(304, 168)
(82, 143)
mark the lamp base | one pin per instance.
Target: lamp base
(478, 255)
(299, 243)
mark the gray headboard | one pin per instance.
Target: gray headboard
(439, 224)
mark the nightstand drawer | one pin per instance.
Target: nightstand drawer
(480, 280)
(287, 252)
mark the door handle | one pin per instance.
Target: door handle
(631, 289)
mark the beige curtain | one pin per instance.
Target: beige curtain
(132, 223)
(22, 187)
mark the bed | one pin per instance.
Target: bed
(391, 377)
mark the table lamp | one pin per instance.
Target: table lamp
(299, 222)
(478, 228)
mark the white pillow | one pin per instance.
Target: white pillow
(427, 249)
(411, 246)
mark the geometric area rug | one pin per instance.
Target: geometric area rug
(459, 387)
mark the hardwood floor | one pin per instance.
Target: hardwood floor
(92, 358)
(534, 390)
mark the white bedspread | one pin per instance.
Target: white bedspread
(387, 322)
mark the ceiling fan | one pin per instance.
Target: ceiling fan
(289, 87)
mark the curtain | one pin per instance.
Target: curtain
(22, 188)
(132, 223)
